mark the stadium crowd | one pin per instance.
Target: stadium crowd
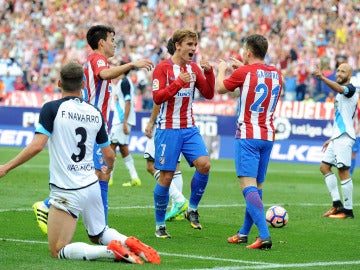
(39, 36)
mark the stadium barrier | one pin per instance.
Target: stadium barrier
(298, 140)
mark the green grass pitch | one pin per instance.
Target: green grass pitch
(309, 241)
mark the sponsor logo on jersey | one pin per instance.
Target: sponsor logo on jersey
(185, 92)
(101, 63)
(155, 84)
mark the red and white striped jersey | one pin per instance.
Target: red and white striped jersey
(175, 96)
(98, 91)
(260, 88)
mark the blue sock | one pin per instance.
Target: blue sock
(353, 162)
(161, 200)
(46, 202)
(104, 186)
(198, 185)
(255, 208)
(248, 222)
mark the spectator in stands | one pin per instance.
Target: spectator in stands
(308, 97)
(289, 83)
(19, 84)
(330, 97)
(9, 81)
(302, 75)
(2, 90)
(329, 29)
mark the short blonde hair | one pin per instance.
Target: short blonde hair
(181, 34)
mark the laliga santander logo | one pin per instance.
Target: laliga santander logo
(155, 84)
(282, 128)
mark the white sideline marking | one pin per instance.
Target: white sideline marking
(202, 206)
(276, 266)
(256, 265)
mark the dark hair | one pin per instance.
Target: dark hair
(71, 77)
(258, 45)
(96, 33)
(170, 46)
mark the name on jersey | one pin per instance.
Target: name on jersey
(267, 74)
(83, 167)
(80, 117)
(185, 92)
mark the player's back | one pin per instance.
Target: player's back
(260, 92)
(75, 128)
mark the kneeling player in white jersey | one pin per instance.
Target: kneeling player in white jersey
(179, 202)
(71, 126)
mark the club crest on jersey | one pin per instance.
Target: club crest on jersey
(101, 63)
(162, 160)
(155, 84)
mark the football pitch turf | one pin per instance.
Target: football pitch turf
(308, 241)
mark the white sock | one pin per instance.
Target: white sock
(178, 180)
(347, 192)
(175, 194)
(331, 183)
(130, 166)
(83, 251)
(111, 234)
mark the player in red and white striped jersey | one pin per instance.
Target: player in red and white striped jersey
(174, 83)
(260, 87)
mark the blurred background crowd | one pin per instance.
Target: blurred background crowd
(38, 37)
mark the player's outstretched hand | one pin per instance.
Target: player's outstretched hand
(144, 63)
(235, 63)
(316, 71)
(222, 65)
(3, 171)
(205, 65)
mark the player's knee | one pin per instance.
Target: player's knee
(325, 168)
(203, 166)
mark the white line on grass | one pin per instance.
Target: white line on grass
(255, 264)
(277, 266)
(202, 206)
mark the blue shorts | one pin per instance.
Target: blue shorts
(356, 146)
(98, 157)
(169, 143)
(252, 158)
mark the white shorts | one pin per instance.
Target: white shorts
(117, 135)
(86, 202)
(338, 152)
(149, 153)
